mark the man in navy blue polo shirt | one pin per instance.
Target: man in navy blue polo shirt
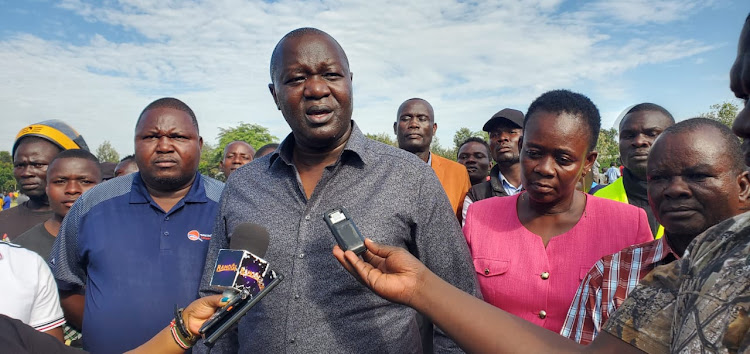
(137, 243)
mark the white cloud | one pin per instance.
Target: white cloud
(639, 12)
(468, 59)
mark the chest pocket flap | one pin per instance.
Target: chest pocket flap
(490, 267)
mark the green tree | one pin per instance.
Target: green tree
(608, 147)
(384, 138)
(7, 181)
(464, 133)
(723, 112)
(253, 134)
(5, 157)
(106, 153)
(209, 162)
(211, 155)
(436, 148)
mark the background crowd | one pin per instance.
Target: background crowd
(527, 222)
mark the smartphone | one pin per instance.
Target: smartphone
(346, 233)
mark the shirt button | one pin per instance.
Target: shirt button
(291, 340)
(167, 218)
(486, 271)
(542, 314)
(307, 217)
(166, 233)
(545, 276)
(296, 296)
(301, 255)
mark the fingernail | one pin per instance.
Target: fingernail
(225, 299)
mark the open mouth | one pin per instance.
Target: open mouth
(319, 114)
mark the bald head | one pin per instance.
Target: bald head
(277, 55)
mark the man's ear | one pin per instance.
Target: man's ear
(434, 128)
(273, 93)
(200, 142)
(743, 181)
(395, 128)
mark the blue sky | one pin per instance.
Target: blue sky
(96, 64)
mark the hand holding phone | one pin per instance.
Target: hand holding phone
(345, 231)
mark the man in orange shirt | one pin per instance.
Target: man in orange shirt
(414, 127)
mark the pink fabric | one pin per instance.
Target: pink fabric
(509, 260)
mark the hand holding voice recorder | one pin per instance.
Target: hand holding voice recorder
(344, 230)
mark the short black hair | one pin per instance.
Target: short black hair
(299, 32)
(236, 141)
(648, 107)
(474, 139)
(77, 154)
(126, 158)
(170, 102)
(416, 99)
(731, 142)
(270, 146)
(576, 104)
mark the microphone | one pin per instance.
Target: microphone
(244, 276)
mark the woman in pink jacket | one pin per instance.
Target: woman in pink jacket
(531, 250)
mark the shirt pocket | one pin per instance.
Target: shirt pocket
(487, 267)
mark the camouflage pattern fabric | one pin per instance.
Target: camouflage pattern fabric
(698, 304)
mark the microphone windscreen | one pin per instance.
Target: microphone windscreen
(250, 237)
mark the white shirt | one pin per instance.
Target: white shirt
(29, 292)
(509, 189)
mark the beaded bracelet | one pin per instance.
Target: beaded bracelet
(178, 338)
(180, 324)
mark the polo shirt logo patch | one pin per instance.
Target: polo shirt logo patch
(193, 235)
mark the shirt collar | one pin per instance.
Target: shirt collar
(666, 248)
(505, 182)
(139, 193)
(356, 147)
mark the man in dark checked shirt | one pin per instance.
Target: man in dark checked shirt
(326, 162)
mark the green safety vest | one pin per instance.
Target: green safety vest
(616, 191)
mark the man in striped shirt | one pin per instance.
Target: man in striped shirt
(689, 192)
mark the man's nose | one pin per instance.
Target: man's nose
(164, 144)
(316, 87)
(73, 188)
